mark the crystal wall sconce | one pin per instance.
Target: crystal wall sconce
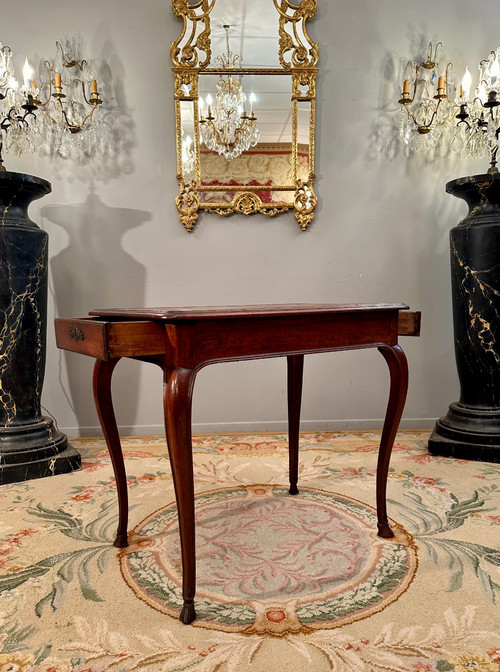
(478, 126)
(67, 95)
(17, 107)
(427, 105)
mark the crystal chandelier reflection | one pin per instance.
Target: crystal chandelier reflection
(187, 156)
(17, 108)
(427, 101)
(478, 126)
(230, 129)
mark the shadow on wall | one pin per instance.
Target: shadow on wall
(94, 271)
(415, 194)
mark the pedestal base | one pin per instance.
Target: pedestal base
(468, 434)
(35, 450)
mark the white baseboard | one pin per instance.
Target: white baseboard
(258, 426)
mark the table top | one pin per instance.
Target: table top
(182, 313)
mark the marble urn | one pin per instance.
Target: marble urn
(30, 444)
(471, 427)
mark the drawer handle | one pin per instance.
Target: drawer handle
(76, 334)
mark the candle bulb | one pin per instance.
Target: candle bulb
(33, 84)
(253, 98)
(466, 84)
(209, 103)
(494, 72)
(27, 73)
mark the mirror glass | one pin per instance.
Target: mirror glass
(269, 162)
(188, 139)
(253, 32)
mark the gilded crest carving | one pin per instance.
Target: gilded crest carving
(188, 205)
(304, 84)
(186, 53)
(246, 203)
(303, 55)
(305, 204)
(185, 84)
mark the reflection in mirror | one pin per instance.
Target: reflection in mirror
(188, 154)
(245, 90)
(253, 32)
(269, 161)
(228, 124)
(304, 166)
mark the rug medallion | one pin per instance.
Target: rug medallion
(268, 562)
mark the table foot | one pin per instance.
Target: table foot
(293, 490)
(121, 541)
(385, 531)
(188, 613)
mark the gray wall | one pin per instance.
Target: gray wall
(380, 233)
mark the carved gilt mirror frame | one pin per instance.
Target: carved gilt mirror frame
(210, 182)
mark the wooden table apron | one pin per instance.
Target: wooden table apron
(182, 341)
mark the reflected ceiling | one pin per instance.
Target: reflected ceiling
(253, 34)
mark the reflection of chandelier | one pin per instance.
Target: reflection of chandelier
(187, 155)
(231, 130)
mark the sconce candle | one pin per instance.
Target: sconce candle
(93, 86)
(57, 80)
(27, 74)
(466, 84)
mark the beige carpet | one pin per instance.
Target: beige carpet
(284, 583)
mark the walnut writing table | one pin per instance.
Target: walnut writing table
(183, 340)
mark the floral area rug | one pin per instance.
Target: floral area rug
(284, 582)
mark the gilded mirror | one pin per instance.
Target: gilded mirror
(245, 90)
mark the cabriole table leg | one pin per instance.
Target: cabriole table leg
(398, 368)
(177, 400)
(103, 371)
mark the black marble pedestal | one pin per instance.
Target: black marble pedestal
(30, 445)
(471, 428)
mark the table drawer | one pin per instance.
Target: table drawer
(104, 339)
(409, 323)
